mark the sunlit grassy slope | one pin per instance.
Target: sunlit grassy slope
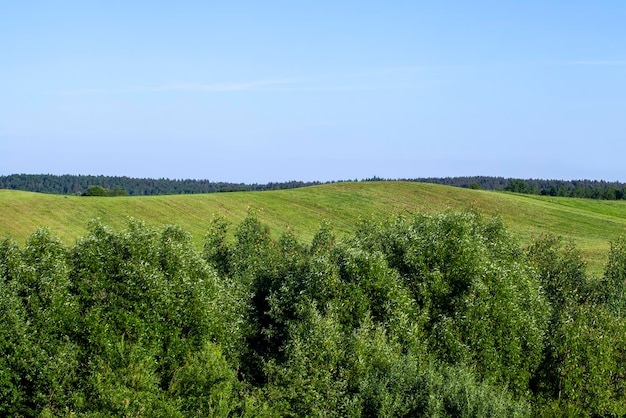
(590, 224)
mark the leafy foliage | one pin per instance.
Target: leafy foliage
(442, 315)
(583, 365)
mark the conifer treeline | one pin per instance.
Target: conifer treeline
(80, 184)
(591, 189)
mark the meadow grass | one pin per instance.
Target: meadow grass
(590, 224)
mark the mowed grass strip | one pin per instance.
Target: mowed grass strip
(590, 224)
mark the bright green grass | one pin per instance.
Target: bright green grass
(590, 224)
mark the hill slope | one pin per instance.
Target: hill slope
(590, 224)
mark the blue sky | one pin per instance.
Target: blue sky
(326, 90)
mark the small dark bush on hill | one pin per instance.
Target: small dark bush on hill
(101, 191)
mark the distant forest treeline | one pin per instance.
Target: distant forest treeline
(591, 189)
(81, 184)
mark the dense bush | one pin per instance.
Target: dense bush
(443, 315)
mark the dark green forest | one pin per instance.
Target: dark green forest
(419, 315)
(589, 189)
(122, 186)
(80, 185)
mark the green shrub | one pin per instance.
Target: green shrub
(583, 369)
(469, 278)
(206, 385)
(612, 288)
(420, 315)
(41, 359)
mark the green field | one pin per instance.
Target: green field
(590, 224)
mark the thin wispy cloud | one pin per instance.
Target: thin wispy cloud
(258, 85)
(223, 87)
(89, 92)
(361, 79)
(599, 62)
(367, 79)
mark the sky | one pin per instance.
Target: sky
(270, 91)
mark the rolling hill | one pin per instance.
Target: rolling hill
(590, 224)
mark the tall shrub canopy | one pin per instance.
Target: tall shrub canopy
(418, 315)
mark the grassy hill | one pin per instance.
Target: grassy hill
(591, 224)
